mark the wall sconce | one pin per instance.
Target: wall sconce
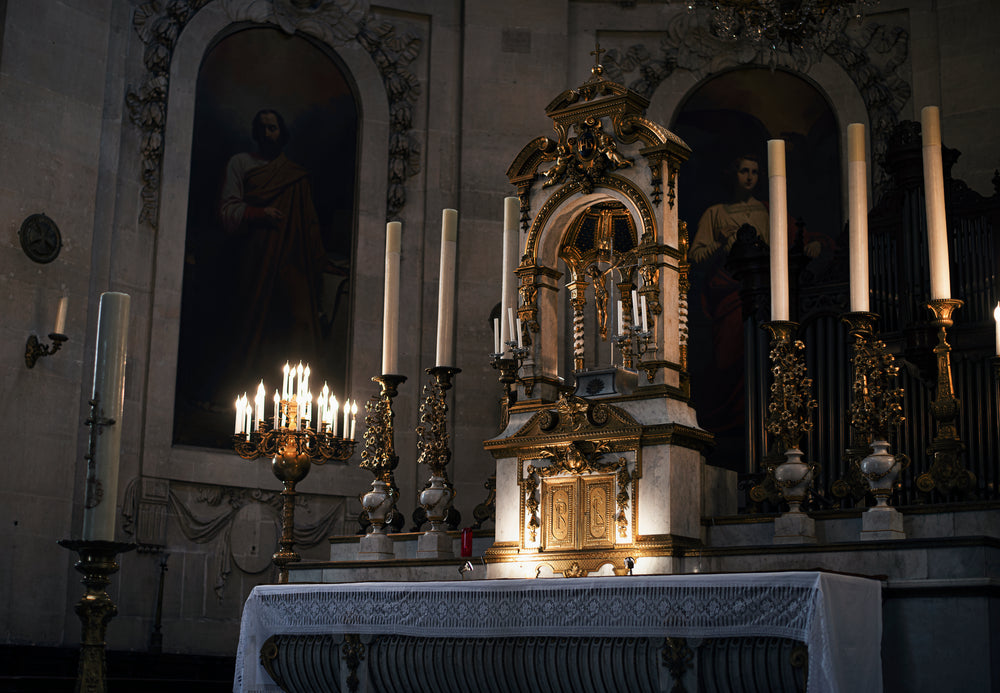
(629, 564)
(34, 349)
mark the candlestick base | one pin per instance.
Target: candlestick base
(96, 609)
(947, 474)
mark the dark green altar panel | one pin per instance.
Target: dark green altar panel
(397, 663)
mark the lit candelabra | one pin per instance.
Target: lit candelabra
(294, 438)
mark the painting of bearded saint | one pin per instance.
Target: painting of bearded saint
(270, 227)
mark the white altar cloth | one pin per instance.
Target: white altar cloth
(839, 617)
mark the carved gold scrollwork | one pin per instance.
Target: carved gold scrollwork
(584, 157)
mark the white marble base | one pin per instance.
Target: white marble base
(794, 528)
(375, 547)
(435, 545)
(882, 523)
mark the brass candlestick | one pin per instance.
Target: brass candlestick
(509, 366)
(876, 408)
(96, 609)
(433, 445)
(293, 449)
(380, 458)
(789, 412)
(34, 349)
(947, 474)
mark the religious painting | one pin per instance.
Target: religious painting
(270, 226)
(727, 120)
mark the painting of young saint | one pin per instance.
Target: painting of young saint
(727, 120)
(270, 226)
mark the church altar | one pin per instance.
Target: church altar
(839, 617)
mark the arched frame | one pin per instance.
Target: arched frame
(160, 458)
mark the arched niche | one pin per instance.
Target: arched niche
(265, 288)
(203, 28)
(727, 118)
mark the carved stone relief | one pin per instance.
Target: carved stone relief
(244, 523)
(335, 22)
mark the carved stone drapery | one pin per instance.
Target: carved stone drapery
(870, 54)
(207, 513)
(335, 22)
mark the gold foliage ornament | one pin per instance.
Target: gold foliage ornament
(789, 412)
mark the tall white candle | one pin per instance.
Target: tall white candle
(446, 289)
(497, 345)
(258, 402)
(508, 291)
(996, 317)
(390, 312)
(857, 184)
(778, 229)
(937, 225)
(61, 315)
(109, 389)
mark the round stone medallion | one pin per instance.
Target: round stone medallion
(40, 238)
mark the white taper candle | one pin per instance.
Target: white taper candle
(857, 185)
(390, 312)
(778, 229)
(937, 224)
(109, 389)
(61, 315)
(508, 292)
(446, 289)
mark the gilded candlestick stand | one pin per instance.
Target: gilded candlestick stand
(293, 450)
(380, 458)
(789, 418)
(433, 445)
(96, 609)
(509, 368)
(875, 410)
(947, 473)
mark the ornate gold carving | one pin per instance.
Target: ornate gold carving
(597, 512)
(353, 652)
(791, 397)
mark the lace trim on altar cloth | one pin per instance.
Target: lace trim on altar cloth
(804, 606)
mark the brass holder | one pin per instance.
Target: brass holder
(947, 473)
(860, 327)
(433, 446)
(292, 451)
(876, 408)
(96, 609)
(638, 342)
(509, 368)
(34, 350)
(380, 458)
(789, 412)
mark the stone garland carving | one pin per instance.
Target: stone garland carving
(228, 501)
(871, 54)
(160, 22)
